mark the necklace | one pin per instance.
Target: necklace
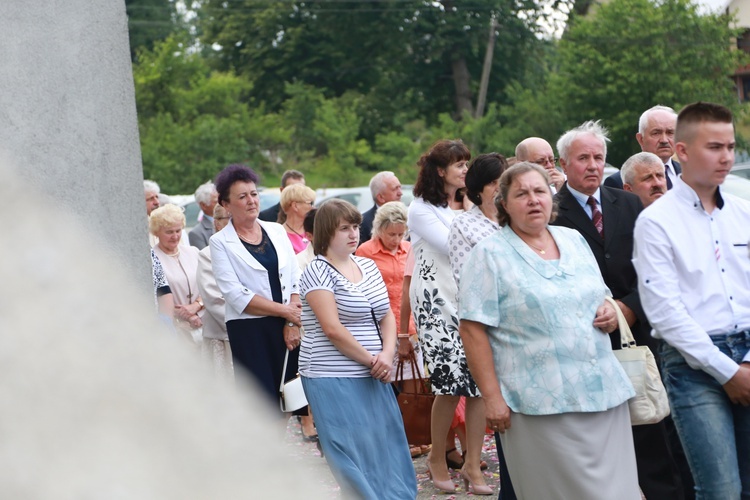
(252, 239)
(176, 254)
(292, 230)
(540, 250)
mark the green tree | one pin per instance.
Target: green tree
(410, 59)
(193, 121)
(633, 54)
(149, 21)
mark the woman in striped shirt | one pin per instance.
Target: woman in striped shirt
(346, 359)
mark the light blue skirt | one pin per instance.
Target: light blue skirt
(362, 435)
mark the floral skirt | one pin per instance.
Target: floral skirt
(433, 302)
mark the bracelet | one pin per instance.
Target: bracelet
(403, 335)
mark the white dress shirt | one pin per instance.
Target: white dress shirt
(583, 200)
(694, 274)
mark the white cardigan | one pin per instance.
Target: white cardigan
(240, 277)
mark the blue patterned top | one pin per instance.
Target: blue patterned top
(548, 356)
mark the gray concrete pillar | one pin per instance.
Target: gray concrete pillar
(68, 121)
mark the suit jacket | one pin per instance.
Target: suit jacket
(201, 233)
(620, 210)
(271, 214)
(214, 326)
(365, 229)
(241, 277)
(615, 180)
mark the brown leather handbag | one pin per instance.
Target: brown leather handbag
(415, 402)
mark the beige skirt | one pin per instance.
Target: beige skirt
(218, 355)
(582, 456)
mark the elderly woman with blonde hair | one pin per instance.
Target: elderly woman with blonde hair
(389, 250)
(180, 265)
(296, 201)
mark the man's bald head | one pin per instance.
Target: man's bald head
(536, 150)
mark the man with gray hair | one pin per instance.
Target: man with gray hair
(384, 187)
(151, 191)
(605, 217)
(207, 197)
(655, 135)
(643, 175)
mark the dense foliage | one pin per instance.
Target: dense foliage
(149, 21)
(343, 89)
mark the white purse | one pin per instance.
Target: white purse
(291, 394)
(650, 404)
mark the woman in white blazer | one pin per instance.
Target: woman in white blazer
(256, 269)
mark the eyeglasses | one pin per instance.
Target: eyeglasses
(311, 203)
(221, 218)
(550, 159)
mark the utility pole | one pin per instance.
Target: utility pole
(485, 81)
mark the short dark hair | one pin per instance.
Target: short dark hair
(308, 223)
(503, 217)
(430, 186)
(327, 220)
(230, 175)
(291, 174)
(484, 169)
(699, 112)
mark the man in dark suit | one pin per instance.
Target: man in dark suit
(655, 135)
(271, 214)
(207, 197)
(606, 217)
(384, 187)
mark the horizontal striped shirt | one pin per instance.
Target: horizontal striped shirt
(354, 302)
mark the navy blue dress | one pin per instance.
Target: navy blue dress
(258, 343)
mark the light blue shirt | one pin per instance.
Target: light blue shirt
(548, 356)
(583, 200)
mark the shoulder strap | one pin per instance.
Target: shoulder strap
(283, 371)
(372, 311)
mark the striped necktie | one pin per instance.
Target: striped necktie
(596, 216)
(666, 174)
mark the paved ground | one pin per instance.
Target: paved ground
(307, 453)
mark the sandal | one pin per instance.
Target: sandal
(453, 464)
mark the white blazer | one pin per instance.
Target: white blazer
(241, 277)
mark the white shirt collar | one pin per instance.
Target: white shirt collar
(584, 198)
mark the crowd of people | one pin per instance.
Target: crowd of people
(492, 283)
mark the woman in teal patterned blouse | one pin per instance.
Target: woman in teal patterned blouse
(534, 324)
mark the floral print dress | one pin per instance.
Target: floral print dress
(434, 306)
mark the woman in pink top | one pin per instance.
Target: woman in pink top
(296, 201)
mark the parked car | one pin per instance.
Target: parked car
(360, 197)
(736, 185)
(268, 198)
(742, 170)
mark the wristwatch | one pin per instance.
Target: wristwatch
(290, 324)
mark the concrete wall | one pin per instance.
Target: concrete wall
(68, 121)
(741, 10)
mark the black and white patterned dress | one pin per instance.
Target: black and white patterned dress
(468, 229)
(434, 302)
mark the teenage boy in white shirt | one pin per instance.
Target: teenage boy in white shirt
(694, 281)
